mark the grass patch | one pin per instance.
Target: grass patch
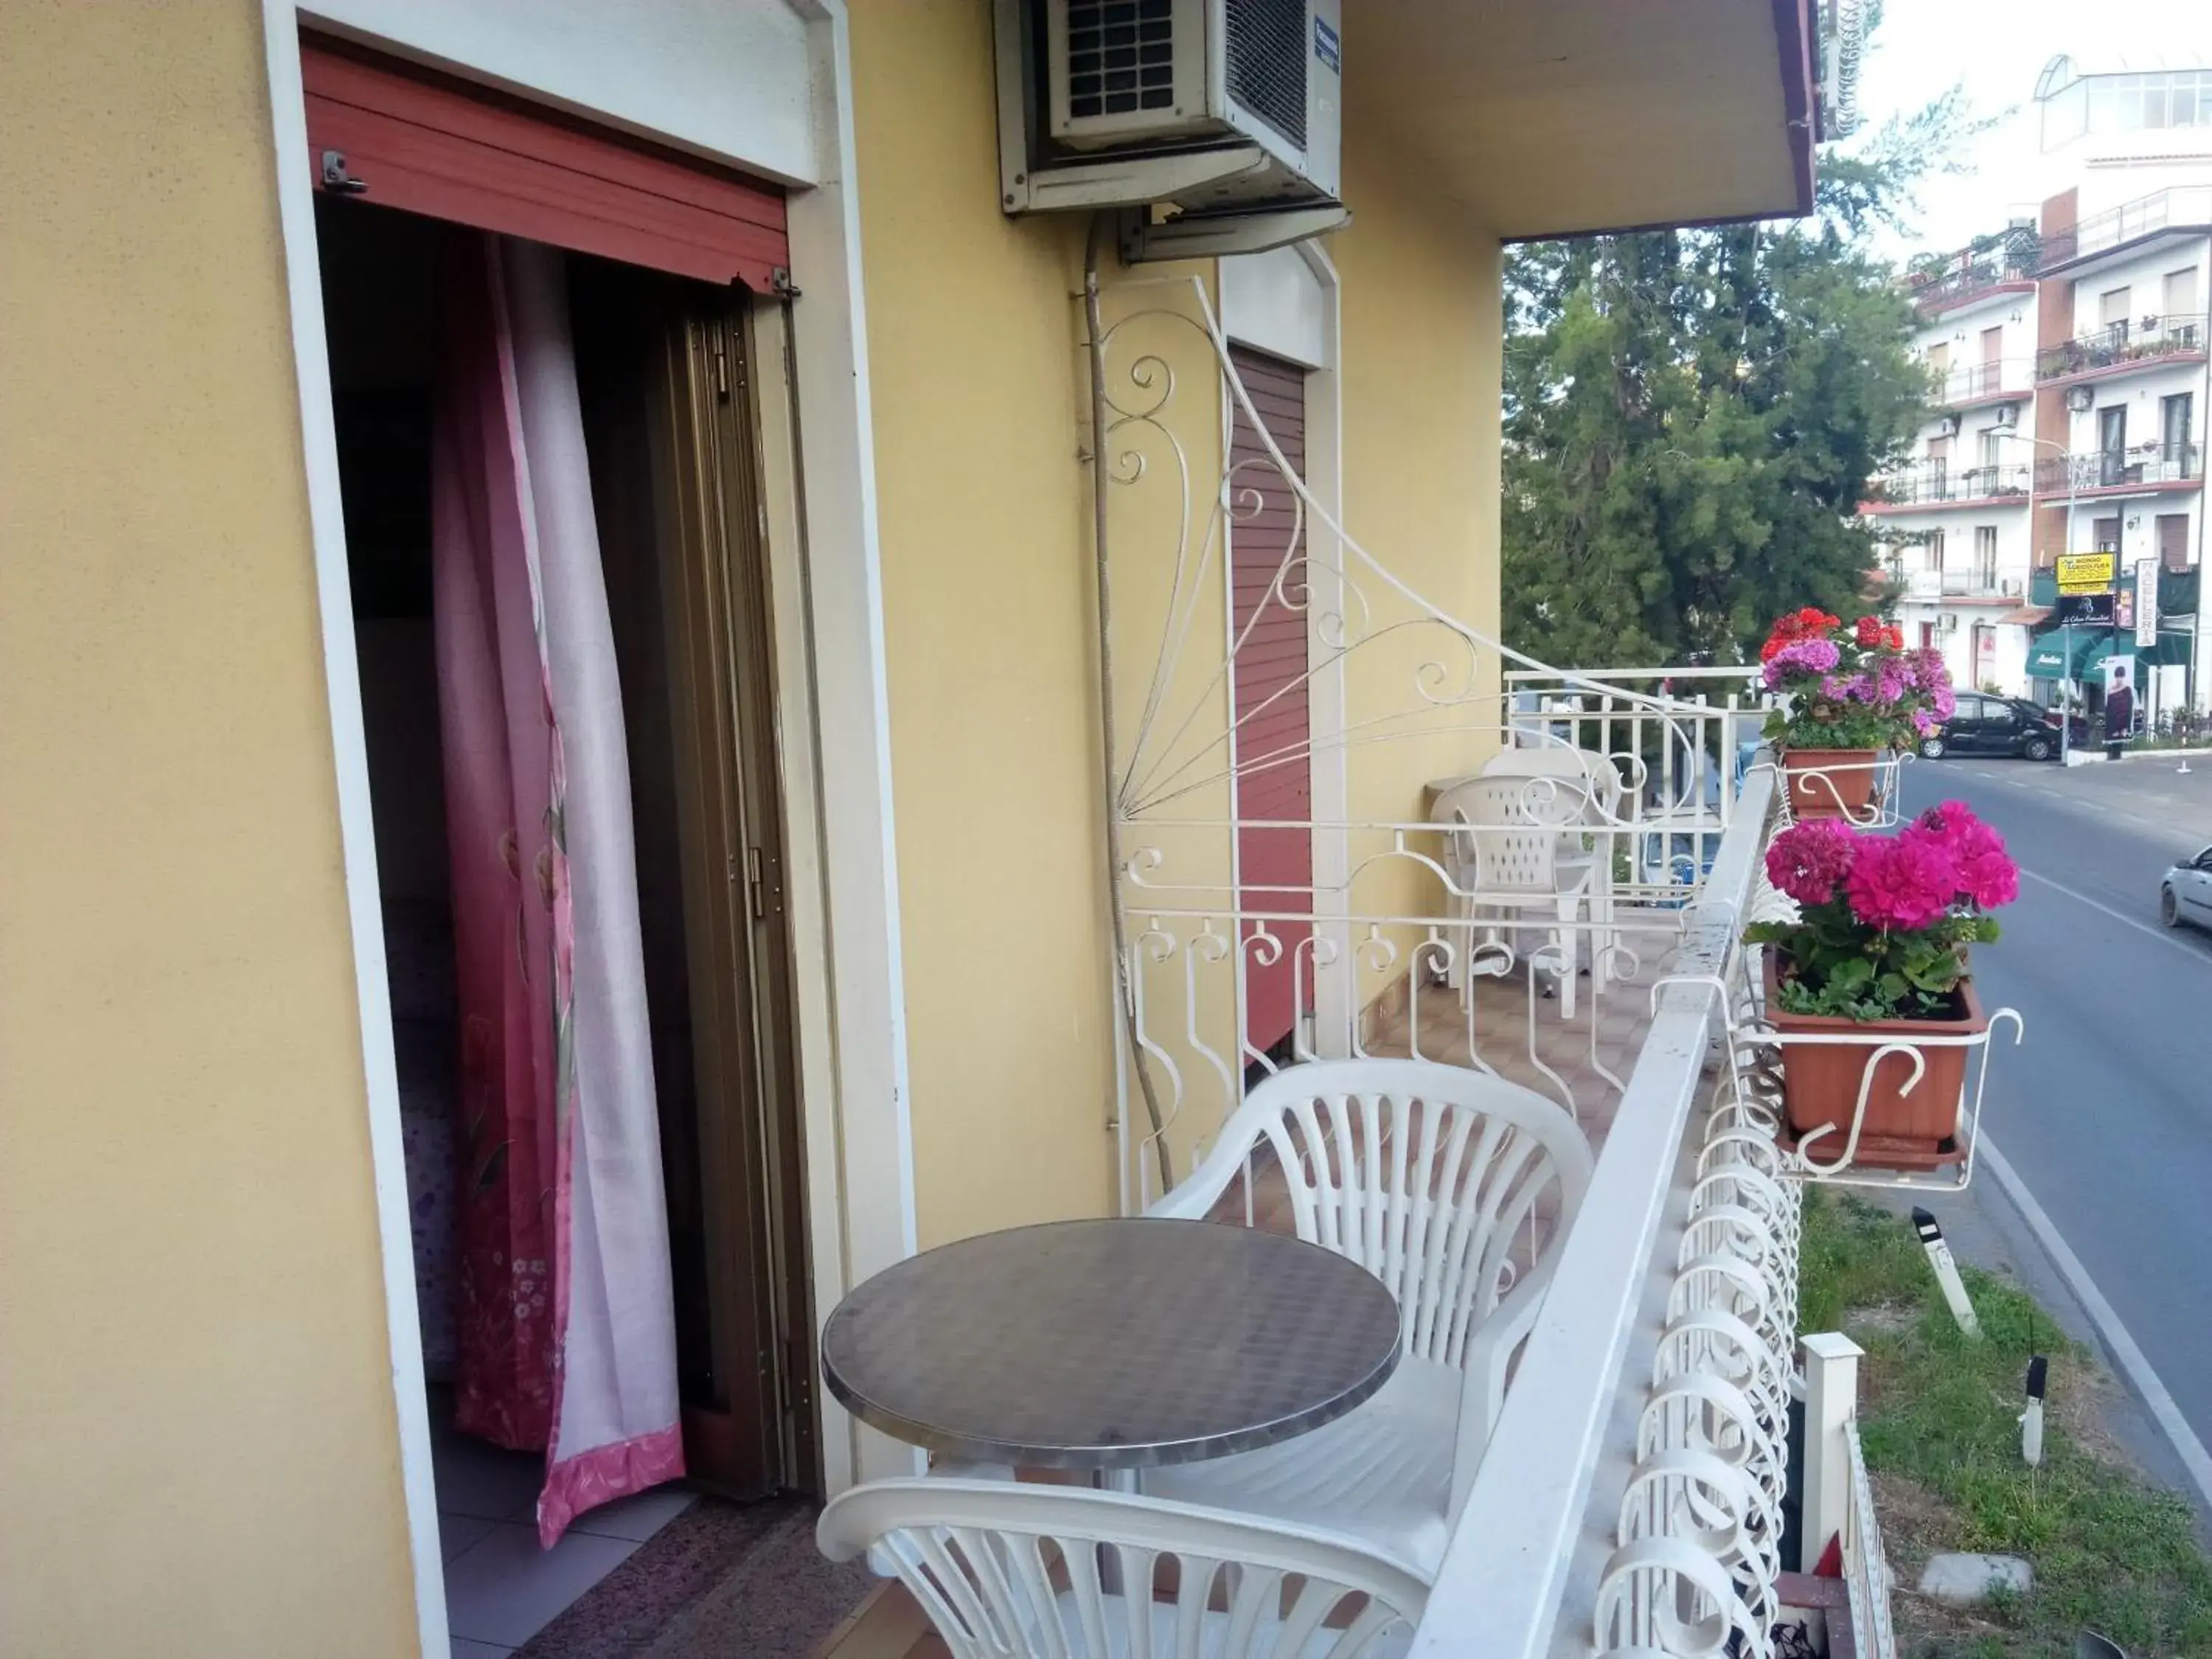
(1938, 1416)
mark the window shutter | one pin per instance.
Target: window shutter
(449, 149)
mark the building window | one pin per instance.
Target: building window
(1985, 558)
(1932, 551)
(2176, 418)
(2178, 295)
(2132, 103)
(2112, 445)
(1992, 445)
(1928, 636)
(2174, 540)
(2104, 535)
(2112, 310)
(1939, 469)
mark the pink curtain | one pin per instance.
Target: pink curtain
(567, 1322)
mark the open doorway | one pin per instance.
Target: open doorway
(663, 387)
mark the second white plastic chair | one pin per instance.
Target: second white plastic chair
(1431, 1177)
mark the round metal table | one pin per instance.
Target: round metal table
(1111, 1345)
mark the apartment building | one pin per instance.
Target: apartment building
(2067, 355)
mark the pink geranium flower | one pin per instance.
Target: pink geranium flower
(1901, 882)
(1808, 862)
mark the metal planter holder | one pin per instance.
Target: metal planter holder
(1830, 1153)
(1883, 810)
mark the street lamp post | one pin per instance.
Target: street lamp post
(2066, 543)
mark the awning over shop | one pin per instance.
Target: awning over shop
(2080, 653)
(2061, 653)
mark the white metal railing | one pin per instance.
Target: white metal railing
(1866, 1573)
(1413, 936)
(2161, 210)
(1980, 584)
(1699, 1538)
(1286, 716)
(1516, 1551)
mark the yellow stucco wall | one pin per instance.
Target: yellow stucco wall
(987, 584)
(196, 1432)
(1423, 343)
(979, 387)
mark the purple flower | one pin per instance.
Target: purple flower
(1947, 701)
(1801, 657)
(1901, 883)
(1808, 860)
(1925, 723)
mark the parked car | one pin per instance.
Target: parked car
(2185, 892)
(1984, 725)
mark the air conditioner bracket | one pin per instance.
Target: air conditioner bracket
(1213, 235)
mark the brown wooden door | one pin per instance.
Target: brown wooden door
(665, 368)
(1274, 732)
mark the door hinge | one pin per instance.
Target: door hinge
(721, 355)
(754, 884)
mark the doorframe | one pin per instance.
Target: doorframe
(1335, 999)
(841, 835)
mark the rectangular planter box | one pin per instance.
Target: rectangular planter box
(1821, 1083)
(1843, 792)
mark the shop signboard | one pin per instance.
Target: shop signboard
(2087, 573)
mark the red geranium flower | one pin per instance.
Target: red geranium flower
(1867, 631)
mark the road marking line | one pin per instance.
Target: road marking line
(2164, 936)
(2130, 1358)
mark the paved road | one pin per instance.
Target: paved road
(2106, 1110)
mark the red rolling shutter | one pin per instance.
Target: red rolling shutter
(447, 148)
(1272, 710)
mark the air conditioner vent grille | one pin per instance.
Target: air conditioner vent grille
(1121, 57)
(1266, 51)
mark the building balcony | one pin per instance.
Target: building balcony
(1938, 484)
(1929, 585)
(2122, 471)
(2188, 207)
(1973, 386)
(1579, 1531)
(2123, 348)
(2003, 263)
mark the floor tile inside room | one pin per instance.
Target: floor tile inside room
(501, 1589)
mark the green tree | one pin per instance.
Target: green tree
(1692, 418)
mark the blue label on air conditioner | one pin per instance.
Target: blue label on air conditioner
(1327, 48)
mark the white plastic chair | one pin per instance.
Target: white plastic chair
(1600, 781)
(1429, 1176)
(1504, 855)
(1007, 1571)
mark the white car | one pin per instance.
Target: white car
(2185, 892)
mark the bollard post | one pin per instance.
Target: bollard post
(1832, 1401)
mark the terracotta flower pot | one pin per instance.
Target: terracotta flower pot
(1820, 1083)
(1841, 792)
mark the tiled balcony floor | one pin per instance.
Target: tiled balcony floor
(1563, 1060)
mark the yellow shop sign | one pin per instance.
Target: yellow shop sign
(2087, 573)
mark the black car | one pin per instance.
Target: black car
(1982, 724)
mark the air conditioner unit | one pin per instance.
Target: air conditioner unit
(2080, 399)
(1947, 623)
(2007, 417)
(1948, 426)
(1219, 122)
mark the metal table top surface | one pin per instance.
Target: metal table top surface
(1120, 1344)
